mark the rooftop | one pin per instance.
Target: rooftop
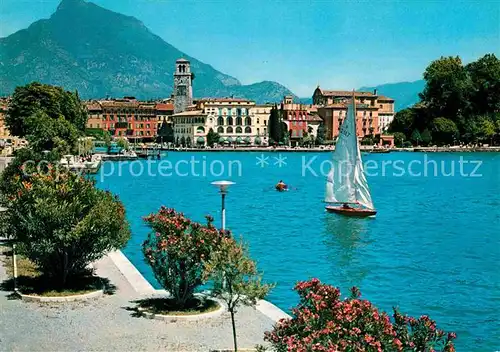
(164, 107)
(345, 93)
(190, 113)
(384, 98)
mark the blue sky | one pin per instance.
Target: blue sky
(300, 43)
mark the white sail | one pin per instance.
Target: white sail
(330, 194)
(347, 179)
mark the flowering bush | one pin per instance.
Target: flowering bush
(324, 322)
(62, 222)
(177, 248)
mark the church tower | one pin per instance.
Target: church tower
(183, 88)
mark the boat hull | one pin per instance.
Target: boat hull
(353, 212)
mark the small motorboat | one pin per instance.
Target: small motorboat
(351, 211)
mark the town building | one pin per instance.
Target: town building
(374, 112)
(183, 86)
(261, 114)
(301, 119)
(164, 112)
(125, 117)
(334, 114)
(190, 128)
(231, 118)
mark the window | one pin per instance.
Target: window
(248, 121)
(220, 129)
(258, 120)
(90, 125)
(239, 121)
(147, 126)
(265, 122)
(229, 129)
(220, 121)
(248, 129)
(230, 121)
(258, 132)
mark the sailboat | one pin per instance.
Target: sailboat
(347, 190)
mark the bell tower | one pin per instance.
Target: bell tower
(183, 88)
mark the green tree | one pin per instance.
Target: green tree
(188, 141)
(165, 133)
(53, 101)
(485, 77)
(275, 133)
(426, 137)
(108, 141)
(212, 137)
(447, 89)
(320, 136)
(403, 121)
(62, 223)
(487, 129)
(122, 143)
(416, 137)
(444, 130)
(399, 139)
(46, 133)
(183, 141)
(235, 278)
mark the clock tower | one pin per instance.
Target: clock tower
(183, 88)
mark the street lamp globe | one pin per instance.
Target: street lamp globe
(223, 186)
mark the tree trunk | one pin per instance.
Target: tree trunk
(234, 330)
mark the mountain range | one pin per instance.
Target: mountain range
(405, 94)
(100, 53)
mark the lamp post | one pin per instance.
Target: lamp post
(223, 186)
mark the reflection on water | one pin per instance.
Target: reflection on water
(346, 239)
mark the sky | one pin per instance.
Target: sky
(304, 43)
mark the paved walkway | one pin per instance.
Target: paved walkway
(108, 324)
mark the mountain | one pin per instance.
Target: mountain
(404, 93)
(100, 52)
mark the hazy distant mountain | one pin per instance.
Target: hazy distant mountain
(100, 52)
(405, 93)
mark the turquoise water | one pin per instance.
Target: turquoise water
(432, 249)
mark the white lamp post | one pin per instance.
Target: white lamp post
(223, 186)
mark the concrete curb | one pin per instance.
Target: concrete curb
(271, 311)
(142, 286)
(62, 299)
(133, 276)
(194, 317)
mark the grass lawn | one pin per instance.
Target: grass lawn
(166, 306)
(30, 281)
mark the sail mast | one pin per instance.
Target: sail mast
(355, 133)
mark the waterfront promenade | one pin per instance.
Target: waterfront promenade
(109, 323)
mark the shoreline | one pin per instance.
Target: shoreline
(325, 150)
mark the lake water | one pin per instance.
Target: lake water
(433, 248)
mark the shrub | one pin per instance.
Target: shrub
(235, 277)
(63, 223)
(324, 322)
(176, 250)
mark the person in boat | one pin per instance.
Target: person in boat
(281, 186)
(346, 206)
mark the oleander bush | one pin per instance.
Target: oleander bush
(177, 248)
(62, 223)
(324, 322)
